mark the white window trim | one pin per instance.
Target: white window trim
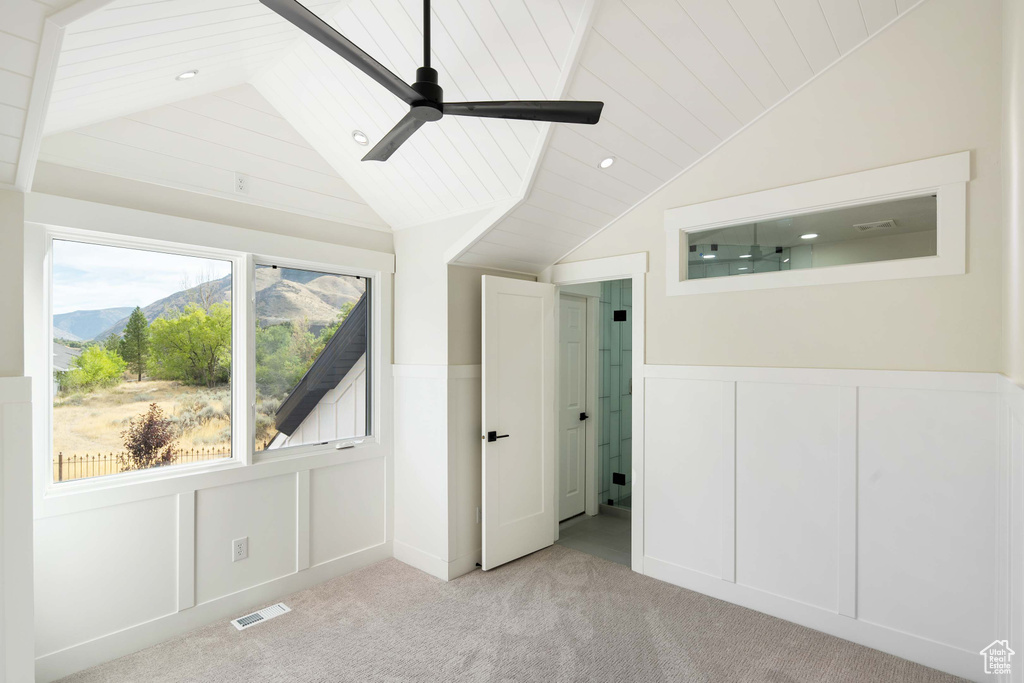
(48, 217)
(946, 177)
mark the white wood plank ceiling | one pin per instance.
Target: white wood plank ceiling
(124, 57)
(20, 34)
(482, 49)
(677, 77)
(200, 144)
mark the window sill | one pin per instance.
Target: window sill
(120, 489)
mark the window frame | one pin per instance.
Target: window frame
(946, 177)
(49, 217)
(305, 449)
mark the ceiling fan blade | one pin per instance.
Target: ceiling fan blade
(323, 32)
(557, 111)
(402, 131)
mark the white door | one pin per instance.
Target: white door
(572, 408)
(518, 418)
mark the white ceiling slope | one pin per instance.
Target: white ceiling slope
(482, 49)
(124, 57)
(21, 32)
(201, 143)
(678, 77)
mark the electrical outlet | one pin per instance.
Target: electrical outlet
(241, 184)
(239, 549)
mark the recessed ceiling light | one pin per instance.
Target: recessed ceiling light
(745, 256)
(360, 137)
(785, 261)
(707, 256)
(743, 268)
(607, 163)
(187, 75)
(809, 236)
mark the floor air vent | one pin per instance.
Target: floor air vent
(242, 623)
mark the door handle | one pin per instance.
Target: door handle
(494, 436)
(583, 416)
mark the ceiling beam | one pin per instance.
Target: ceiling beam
(42, 85)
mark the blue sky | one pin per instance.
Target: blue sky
(91, 276)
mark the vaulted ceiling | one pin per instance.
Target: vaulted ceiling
(678, 78)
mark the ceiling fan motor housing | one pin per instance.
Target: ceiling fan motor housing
(430, 107)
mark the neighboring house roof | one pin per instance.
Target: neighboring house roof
(63, 355)
(344, 348)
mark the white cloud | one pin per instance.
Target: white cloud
(91, 276)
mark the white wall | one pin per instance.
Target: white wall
(126, 565)
(928, 85)
(340, 414)
(92, 186)
(865, 504)
(1013, 189)
(16, 585)
(12, 219)
(200, 144)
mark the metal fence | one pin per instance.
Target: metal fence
(69, 467)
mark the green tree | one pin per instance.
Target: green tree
(113, 343)
(134, 345)
(95, 367)
(193, 346)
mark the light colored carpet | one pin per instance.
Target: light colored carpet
(557, 615)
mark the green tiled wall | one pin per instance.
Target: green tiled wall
(615, 400)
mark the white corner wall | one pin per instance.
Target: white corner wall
(124, 566)
(928, 85)
(871, 505)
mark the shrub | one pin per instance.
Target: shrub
(148, 441)
(95, 367)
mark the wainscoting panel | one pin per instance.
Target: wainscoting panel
(347, 512)
(683, 513)
(872, 505)
(786, 490)
(928, 466)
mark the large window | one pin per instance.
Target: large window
(312, 337)
(153, 357)
(142, 359)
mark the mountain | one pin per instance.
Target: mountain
(87, 324)
(64, 335)
(282, 294)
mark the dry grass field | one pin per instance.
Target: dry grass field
(90, 423)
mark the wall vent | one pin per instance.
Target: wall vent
(876, 225)
(242, 623)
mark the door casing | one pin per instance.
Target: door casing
(632, 267)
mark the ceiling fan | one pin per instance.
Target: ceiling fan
(425, 96)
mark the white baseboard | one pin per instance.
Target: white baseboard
(434, 565)
(916, 649)
(419, 559)
(463, 565)
(106, 648)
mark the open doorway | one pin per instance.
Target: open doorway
(595, 381)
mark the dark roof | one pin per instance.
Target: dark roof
(343, 349)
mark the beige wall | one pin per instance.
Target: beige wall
(464, 312)
(91, 186)
(1013, 189)
(929, 85)
(12, 283)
